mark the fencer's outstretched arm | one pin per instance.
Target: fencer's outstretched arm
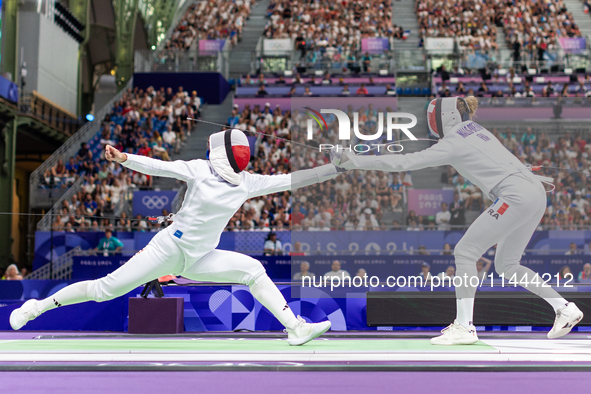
(181, 170)
(437, 155)
(261, 185)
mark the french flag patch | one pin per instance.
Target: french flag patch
(178, 234)
(501, 210)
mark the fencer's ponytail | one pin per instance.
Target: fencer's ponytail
(472, 105)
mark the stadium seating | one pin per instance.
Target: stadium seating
(151, 123)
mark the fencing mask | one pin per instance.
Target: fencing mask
(443, 114)
(229, 154)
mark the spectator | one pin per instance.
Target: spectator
(273, 246)
(297, 249)
(425, 272)
(422, 250)
(450, 272)
(580, 202)
(109, 245)
(262, 91)
(565, 274)
(368, 220)
(361, 273)
(585, 274)
(483, 266)
(12, 273)
(447, 250)
(457, 211)
(90, 206)
(366, 61)
(337, 271)
(362, 90)
(304, 272)
(572, 250)
(345, 90)
(442, 218)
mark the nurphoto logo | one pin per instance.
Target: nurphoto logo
(344, 122)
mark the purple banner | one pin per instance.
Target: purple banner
(573, 45)
(375, 45)
(428, 201)
(527, 112)
(210, 47)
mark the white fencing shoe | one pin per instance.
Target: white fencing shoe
(20, 316)
(304, 332)
(566, 319)
(456, 334)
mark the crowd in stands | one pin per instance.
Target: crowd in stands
(503, 86)
(309, 86)
(208, 20)
(151, 123)
(353, 201)
(330, 30)
(472, 22)
(529, 25)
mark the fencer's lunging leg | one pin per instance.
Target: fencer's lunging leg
(265, 291)
(156, 260)
(230, 267)
(224, 266)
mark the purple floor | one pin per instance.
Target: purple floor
(292, 382)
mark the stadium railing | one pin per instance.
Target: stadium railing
(61, 268)
(49, 113)
(313, 61)
(191, 60)
(40, 197)
(46, 221)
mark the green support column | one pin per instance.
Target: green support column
(81, 10)
(10, 37)
(7, 156)
(126, 16)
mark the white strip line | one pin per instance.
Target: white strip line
(14, 340)
(292, 357)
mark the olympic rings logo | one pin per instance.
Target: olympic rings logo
(155, 202)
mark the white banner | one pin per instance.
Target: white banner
(439, 45)
(277, 46)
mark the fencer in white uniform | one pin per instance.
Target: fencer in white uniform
(519, 204)
(216, 189)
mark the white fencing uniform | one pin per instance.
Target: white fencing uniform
(518, 195)
(187, 246)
